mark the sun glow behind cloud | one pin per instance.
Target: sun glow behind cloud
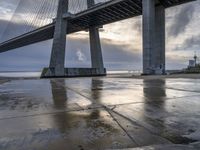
(125, 33)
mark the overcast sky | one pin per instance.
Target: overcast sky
(121, 42)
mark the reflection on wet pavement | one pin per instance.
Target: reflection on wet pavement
(98, 113)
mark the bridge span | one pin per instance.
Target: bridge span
(93, 17)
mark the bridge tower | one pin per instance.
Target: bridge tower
(57, 60)
(153, 37)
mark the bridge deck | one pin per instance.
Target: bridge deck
(102, 14)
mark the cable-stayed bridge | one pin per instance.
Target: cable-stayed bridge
(37, 17)
(38, 20)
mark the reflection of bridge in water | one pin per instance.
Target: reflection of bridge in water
(78, 15)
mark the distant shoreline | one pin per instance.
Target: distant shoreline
(189, 76)
(130, 76)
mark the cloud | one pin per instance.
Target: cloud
(7, 8)
(37, 56)
(10, 30)
(192, 43)
(181, 20)
(80, 55)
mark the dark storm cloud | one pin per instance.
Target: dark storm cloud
(8, 4)
(10, 30)
(33, 57)
(181, 20)
(26, 15)
(192, 43)
(3, 24)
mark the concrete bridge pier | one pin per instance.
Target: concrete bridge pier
(95, 51)
(95, 46)
(159, 55)
(153, 38)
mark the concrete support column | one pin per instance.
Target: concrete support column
(56, 67)
(95, 46)
(153, 38)
(159, 40)
(148, 35)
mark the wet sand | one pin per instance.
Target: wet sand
(114, 112)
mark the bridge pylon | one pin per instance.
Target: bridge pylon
(57, 60)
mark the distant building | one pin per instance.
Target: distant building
(191, 63)
(193, 67)
(195, 59)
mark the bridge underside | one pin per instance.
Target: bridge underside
(102, 14)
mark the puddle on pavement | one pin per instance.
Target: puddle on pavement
(86, 129)
(54, 109)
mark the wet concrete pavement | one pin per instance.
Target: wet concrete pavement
(99, 113)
